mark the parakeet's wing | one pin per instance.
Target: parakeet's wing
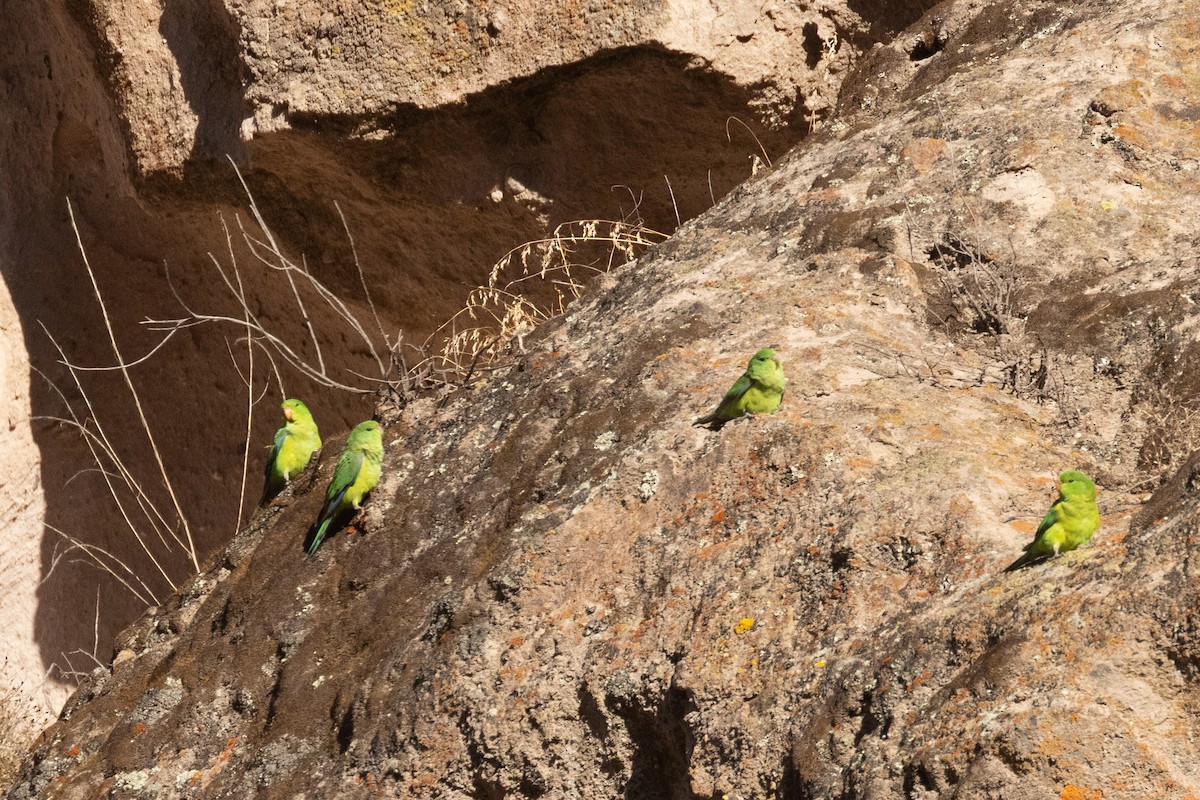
(728, 402)
(273, 478)
(276, 446)
(1030, 556)
(1048, 520)
(344, 475)
(738, 389)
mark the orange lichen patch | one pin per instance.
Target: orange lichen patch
(517, 674)
(1051, 747)
(1128, 134)
(917, 681)
(1072, 792)
(1173, 83)
(203, 777)
(1124, 95)
(961, 505)
(369, 780)
(744, 625)
(922, 153)
(935, 432)
(139, 728)
(1023, 526)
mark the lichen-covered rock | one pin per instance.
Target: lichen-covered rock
(129, 109)
(981, 276)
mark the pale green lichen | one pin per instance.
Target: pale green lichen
(649, 485)
(133, 781)
(605, 441)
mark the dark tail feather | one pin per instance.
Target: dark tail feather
(1027, 559)
(270, 489)
(318, 535)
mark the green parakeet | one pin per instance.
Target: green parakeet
(294, 444)
(758, 391)
(355, 475)
(1070, 522)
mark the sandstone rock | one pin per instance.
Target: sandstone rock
(980, 275)
(129, 109)
(977, 278)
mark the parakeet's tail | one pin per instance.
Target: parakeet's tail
(1027, 559)
(710, 420)
(319, 535)
(270, 489)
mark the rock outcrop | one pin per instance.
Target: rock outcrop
(193, 81)
(129, 109)
(982, 271)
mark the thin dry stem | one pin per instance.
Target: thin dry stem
(362, 280)
(729, 137)
(99, 557)
(249, 411)
(674, 205)
(262, 224)
(97, 443)
(191, 548)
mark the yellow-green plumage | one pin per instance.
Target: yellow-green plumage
(1070, 522)
(758, 391)
(355, 475)
(293, 445)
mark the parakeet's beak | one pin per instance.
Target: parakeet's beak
(778, 363)
(287, 414)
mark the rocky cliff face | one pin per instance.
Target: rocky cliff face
(981, 273)
(129, 110)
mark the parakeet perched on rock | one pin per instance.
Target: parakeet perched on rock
(355, 475)
(294, 444)
(758, 391)
(1070, 522)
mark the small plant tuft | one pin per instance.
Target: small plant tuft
(533, 283)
